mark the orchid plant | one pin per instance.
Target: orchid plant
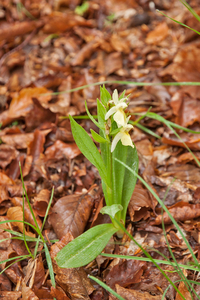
(118, 182)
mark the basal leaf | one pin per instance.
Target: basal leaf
(88, 148)
(86, 247)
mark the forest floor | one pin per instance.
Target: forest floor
(54, 46)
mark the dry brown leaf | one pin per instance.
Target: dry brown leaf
(14, 272)
(16, 213)
(40, 202)
(27, 293)
(11, 30)
(140, 198)
(22, 104)
(70, 214)
(181, 211)
(129, 294)
(5, 283)
(7, 154)
(58, 294)
(125, 273)
(158, 34)
(17, 201)
(4, 234)
(85, 53)
(59, 22)
(6, 295)
(60, 149)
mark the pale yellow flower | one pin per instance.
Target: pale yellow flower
(124, 136)
(118, 110)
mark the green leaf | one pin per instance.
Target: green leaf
(88, 148)
(147, 130)
(101, 111)
(179, 22)
(81, 9)
(92, 118)
(122, 95)
(123, 180)
(105, 95)
(111, 210)
(86, 247)
(190, 9)
(97, 137)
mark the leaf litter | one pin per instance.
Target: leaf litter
(46, 47)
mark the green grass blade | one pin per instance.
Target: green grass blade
(20, 235)
(12, 221)
(92, 118)
(191, 10)
(48, 208)
(29, 205)
(50, 266)
(158, 261)
(143, 128)
(24, 235)
(106, 287)
(121, 82)
(178, 22)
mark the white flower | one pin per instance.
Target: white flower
(124, 136)
(118, 110)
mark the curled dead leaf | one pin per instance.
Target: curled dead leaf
(16, 213)
(70, 214)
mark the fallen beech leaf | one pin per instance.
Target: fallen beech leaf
(181, 211)
(4, 235)
(189, 173)
(5, 283)
(27, 293)
(59, 22)
(58, 294)
(85, 53)
(22, 104)
(70, 214)
(184, 291)
(16, 213)
(6, 295)
(17, 201)
(11, 30)
(19, 141)
(38, 114)
(40, 202)
(140, 198)
(158, 34)
(128, 294)
(14, 272)
(58, 149)
(35, 273)
(7, 154)
(125, 273)
(113, 62)
(4, 179)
